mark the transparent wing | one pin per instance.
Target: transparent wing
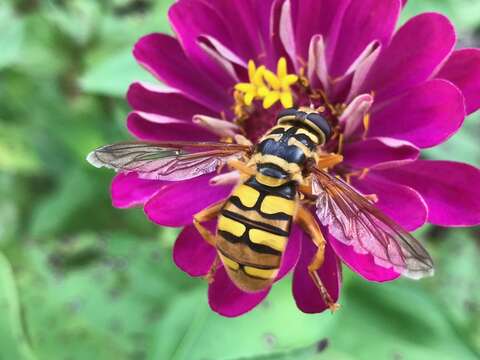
(355, 221)
(172, 161)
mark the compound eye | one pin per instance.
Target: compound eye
(322, 123)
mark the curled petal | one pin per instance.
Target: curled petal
(426, 115)
(248, 27)
(217, 126)
(192, 253)
(360, 27)
(362, 264)
(152, 127)
(312, 17)
(190, 19)
(306, 294)
(128, 190)
(317, 63)
(227, 300)
(463, 69)
(450, 189)
(353, 115)
(362, 69)
(379, 153)
(287, 33)
(223, 50)
(176, 204)
(163, 56)
(164, 101)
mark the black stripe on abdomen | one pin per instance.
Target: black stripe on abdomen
(263, 249)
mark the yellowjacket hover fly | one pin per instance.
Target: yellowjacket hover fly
(280, 175)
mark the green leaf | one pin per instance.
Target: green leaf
(109, 70)
(465, 14)
(395, 320)
(104, 309)
(14, 343)
(456, 283)
(16, 154)
(54, 212)
(463, 146)
(11, 36)
(275, 327)
(78, 19)
(113, 75)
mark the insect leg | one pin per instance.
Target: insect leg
(307, 221)
(207, 214)
(241, 167)
(326, 161)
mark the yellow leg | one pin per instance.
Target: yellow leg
(306, 189)
(207, 214)
(241, 167)
(307, 221)
(329, 160)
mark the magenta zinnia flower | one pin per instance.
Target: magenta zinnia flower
(389, 94)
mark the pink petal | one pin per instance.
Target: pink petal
(151, 127)
(379, 153)
(276, 47)
(190, 20)
(352, 117)
(362, 69)
(192, 253)
(362, 264)
(426, 115)
(167, 102)
(450, 189)
(163, 56)
(317, 63)
(361, 26)
(287, 33)
(463, 69)
(417, 50)
(176, 204)
(128, 190)
(222, 50)
(227, 300)
(248, 24)
(292, 252)
(402, 203)
(306, 294)
(312, 17)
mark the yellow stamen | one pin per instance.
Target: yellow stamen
(366, 124)
(271, 98)
(266, 86)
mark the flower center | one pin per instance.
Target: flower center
(266, 93)
(266, 86)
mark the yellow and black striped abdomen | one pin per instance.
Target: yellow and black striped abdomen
(253, 230)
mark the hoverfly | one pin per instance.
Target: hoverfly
(283, 172)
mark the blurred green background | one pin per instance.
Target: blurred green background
(82, 280)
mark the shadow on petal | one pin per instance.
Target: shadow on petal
(362, 264)
(127, 190)
(192, 253)
(227, 300)
(306, 294)
(292, 252)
